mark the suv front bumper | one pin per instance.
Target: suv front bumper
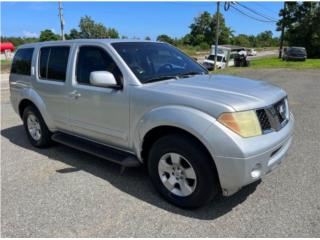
(241, 161)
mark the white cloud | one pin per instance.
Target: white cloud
(29, 34)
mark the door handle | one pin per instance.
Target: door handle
(74, 94)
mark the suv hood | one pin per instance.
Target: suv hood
(238, 93)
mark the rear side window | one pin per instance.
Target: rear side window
(53, 63)
(22, 61)
(92, 59)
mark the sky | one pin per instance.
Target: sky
(131, 19)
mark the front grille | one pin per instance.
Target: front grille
(273, 118)
(263, 119)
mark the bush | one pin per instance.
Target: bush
(204, 46)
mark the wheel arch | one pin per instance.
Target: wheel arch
(160, 131)
(31, 97)
(23, 104)
(181, 118)
(157, 132)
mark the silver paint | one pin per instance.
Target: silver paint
(122, 117)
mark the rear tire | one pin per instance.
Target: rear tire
(191, 184)
(35, 127)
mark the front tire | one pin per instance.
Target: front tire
(182, 171)
(35, 127)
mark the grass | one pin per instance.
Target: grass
(274, 62)
(229, 70)
(259, 49)
(193, 51)
(5, 66)
(4, 62)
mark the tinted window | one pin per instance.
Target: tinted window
(297, 50)
(211, 57)
(44, 54)
(53, 63)
(156, 61)
(92, 59)
(22, 61)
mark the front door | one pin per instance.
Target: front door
(98, 113)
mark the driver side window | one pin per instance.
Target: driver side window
(90, 59)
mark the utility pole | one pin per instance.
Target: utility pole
(61, 21)
(217, 37)
(282, 29)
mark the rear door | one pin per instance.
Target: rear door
(52, 82)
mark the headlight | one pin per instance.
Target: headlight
(246, 124)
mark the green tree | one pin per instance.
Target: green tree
(112, 33)
(264, 39)
(241, 40)
(252, 41)
(16, 41)
(203, 29)
(147, 38)
(165, 38)
(90, 29)
(302, 26)
(186, 40)
(73, 34)
(48, 35)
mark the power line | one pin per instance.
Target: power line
(249, 16)
(266, 8)
(257, 13)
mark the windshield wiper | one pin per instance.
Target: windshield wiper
(159, 78)
(166, 77)
(186, 74)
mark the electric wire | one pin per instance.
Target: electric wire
(257, 13)
(249, 16)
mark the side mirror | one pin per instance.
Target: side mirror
(103, 79)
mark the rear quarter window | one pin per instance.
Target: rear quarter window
(21, 63)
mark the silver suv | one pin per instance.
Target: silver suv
(141, 102)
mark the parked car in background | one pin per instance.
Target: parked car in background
(141, 102)
(208, 63)
(294, 53)
(251, 52)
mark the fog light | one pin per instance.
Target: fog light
(256, 171)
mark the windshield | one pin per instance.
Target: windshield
(297, 50)
(211, 57)
(151, 61)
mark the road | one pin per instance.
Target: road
(266, 53)
(261, 54)
(60, 192)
